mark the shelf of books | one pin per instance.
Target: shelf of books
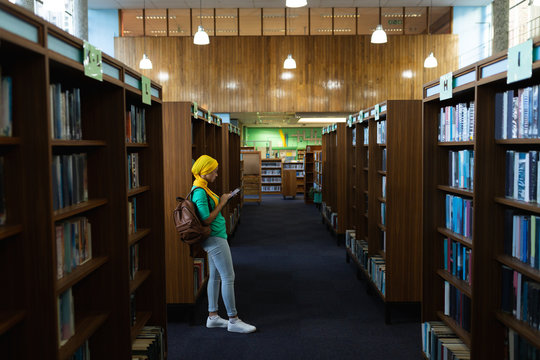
(187, 125)
(310, 174)
(300, 173)
(480, 237)
(317, 175)
(271, 176)
(232, 212)
(67, 227)
(357, 237)
(335, 178)
(386, 228)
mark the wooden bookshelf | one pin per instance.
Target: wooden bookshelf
(479, 82)
(234, 206)
(36, 59)
(334, 164)
(189, 132)
(270, 183)
(436, 188)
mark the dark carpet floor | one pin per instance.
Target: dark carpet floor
(293, 283)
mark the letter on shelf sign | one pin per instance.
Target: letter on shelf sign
(377, 111)
(145, 88)
(520, 62)
(445, 86)
(92, 62)
(195, 109)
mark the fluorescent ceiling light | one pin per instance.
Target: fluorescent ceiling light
(323, 120)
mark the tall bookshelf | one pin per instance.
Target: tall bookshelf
(232, 211)
(271, 176)
(187, 125)
(387, 199)
(335, 178)
(487, 333)
(36, 55)
(317, 176)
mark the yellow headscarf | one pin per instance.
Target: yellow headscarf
(204, 165)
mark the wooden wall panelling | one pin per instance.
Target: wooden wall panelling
(244, 73)
(177, 182)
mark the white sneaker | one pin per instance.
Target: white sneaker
(241, 327)
(218, 322)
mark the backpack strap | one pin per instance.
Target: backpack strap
(207, 196)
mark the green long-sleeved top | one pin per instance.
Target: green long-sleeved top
(201, 201)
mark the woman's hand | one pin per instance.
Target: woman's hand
(224, 198)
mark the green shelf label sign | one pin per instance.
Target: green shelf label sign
(377, 111)
(145, 87)
(92, 62)
(520, 62)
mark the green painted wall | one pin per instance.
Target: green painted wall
(297, 138)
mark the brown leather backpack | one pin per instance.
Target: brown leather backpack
(191, 229)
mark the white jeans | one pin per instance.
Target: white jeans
(221, 271)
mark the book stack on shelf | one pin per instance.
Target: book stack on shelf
(481, 153)
(234, 205)
(312, 190)
(66, 226)
(271, 176)
(385, 219)
(334, 164)
(317, 175)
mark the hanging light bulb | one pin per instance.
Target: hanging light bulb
(201, 37)
(145, 63)
(295, 3)
(379, 36)
(289, 63)
(431, 61)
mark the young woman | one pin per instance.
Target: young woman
(209, 207)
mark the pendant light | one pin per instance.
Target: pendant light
(431, 60)
(295, 3)
(379, 36)
(289, 62)
(201, 37)
(145, 63)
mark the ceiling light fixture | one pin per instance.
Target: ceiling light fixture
(145, 63)
(379, 36)
(431, 60)
(295, 3)
(201, 37)
(289, 62)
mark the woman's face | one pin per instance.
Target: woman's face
(211, 177)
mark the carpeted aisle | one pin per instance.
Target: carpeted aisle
(292, 282)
